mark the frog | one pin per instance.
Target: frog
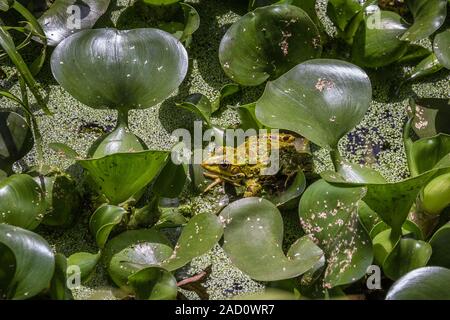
(294, 155)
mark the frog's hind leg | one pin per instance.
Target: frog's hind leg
(217, 180)
(253, 188)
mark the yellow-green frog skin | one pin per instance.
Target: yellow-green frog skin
(243, 172)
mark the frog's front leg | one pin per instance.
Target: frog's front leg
(217, 180)
(253, 188)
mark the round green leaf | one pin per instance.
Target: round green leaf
(21, 202)
(376, 43)
(430, 116)
(253, 240)
(436, 195)
(329, 214)
(16, 139)
(441, 47)
(120, 69)
(429, 283)
(391, 201)
(426, 67)
(199, 236)
(121, 175)
(191, 23)
(59, 21)
(103, 220)
(267, 42)
(321, 100)
(441, 249)
(407, 255)
(58, 286)
(154, 283)
(360, 174)
(247, 117)
(171, 181)
(426, 153)
(132, 251)
(287, 198)
(309, 6)
(429, 15)
(85, 261)
(27, 261)
(61, 198)
(200, 105)
(341, 12)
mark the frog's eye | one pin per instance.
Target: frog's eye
(224, 165)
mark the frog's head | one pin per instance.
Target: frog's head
(223, 168)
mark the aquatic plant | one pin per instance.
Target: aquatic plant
(349, 219)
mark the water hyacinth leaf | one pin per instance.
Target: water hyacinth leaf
(426, 153)
(226, 91)
(103, 220)
(62, 199)
(329, 214)
(170, 217)
(415, 52)
(21, 202)
(171, 181)
(436, 195)
(429, 15)
(132, 251)
(441, 47)
(428, 283)
(360, 174)
(383, 244)
(191, 23)
(84, 262)
(248, 117)
(119, 176)
(430, 116)
(391, 201)
(142, 67)
(58, 286)
(341, 12)
(322, 100)
(64, 150)
(267, 42)
(376, 43)
(30, 262)
(66, 17)
(200, 105)
(286, 197)
(199, 236)
(309, 6)
(16, 139)
(367, 217)
(154, 283)
(253, 238)
(408, 254)
(441, 250)
(428, 66)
